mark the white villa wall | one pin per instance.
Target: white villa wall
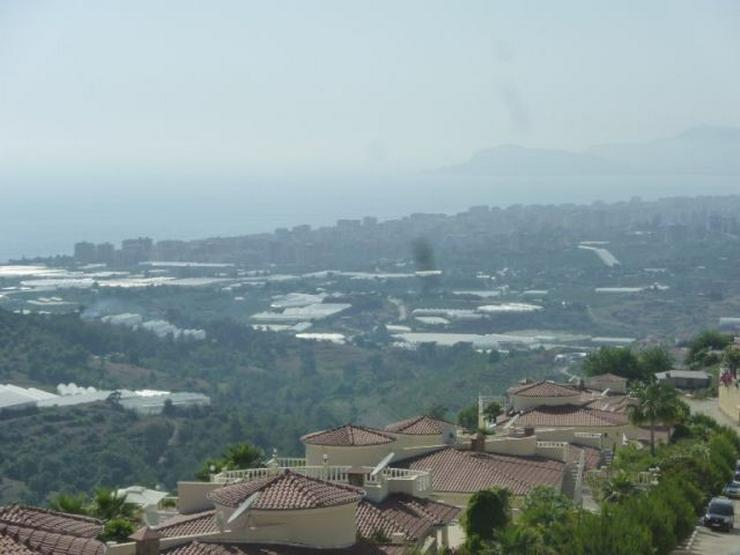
(330, 527)
(729, 402)
(505, 445)
(348, 456)
(191, 496)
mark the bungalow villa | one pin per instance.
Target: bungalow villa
(549, 409)
(358, 490)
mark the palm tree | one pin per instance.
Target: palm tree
(520, 540)
(76, 504)
(618, 487)
(656, 402)
(242, 455)
(108, 505)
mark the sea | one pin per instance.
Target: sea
(46, 216)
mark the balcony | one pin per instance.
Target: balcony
(378, 486)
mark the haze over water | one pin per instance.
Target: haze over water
(39, 225)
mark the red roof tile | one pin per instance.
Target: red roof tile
(468, 471)
(349, 435)
(420, 425)
(51, 521)
(287, 491)
(569, 415)
(360, 548)
(412, 516)
(9, 546)
(50, 543)
(188, 525)
(544, 389)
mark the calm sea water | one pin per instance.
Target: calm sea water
(46, 217)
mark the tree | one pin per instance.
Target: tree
(487, 512)
(492, 411)
(731, 359)
(654, 359)
(117, 530)
(544, 506)
(613, 360)
(243, 455)
(521, 540)
(468, 418)
(76, 504)
(108, 505)
(618, 487)
(708, 340)
(437, 411)
(236, 457)
(656, 402)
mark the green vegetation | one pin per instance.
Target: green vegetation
(486, 514)
(266, 388)
(634, 517)
(731, 359)
(119, 517)
(236, 457)
(467, 418)
(492, 411)
(626, 363)
(702, 348)
(656, 403)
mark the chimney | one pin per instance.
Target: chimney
(356, 476)
(147, 541)
(478, 443)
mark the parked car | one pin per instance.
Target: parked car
(720, 514)
(732, 489)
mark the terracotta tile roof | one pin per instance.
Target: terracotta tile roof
(51, 521)
(612, 403)
(468, 471)
(287, 491)
(349, 435)
(9, 546)
(414, 517)
(419, 425)
(188, 525)
(360, 548)
(569, 415)
(544, 388)
(50, 543)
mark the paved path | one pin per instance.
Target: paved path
(712, 542)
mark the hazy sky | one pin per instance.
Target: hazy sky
(347, 85)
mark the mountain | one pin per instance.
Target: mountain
(706, 150)
(698, 150)
(519, 160)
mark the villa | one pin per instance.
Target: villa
(358, 489)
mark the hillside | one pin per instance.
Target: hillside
(265, 388)
(702, 150)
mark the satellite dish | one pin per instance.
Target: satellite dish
(150, 516)
(382, 464)
(244, 507)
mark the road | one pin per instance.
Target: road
(711, 542)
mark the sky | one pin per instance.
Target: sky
(318, 87)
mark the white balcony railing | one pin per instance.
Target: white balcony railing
(338, 474)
